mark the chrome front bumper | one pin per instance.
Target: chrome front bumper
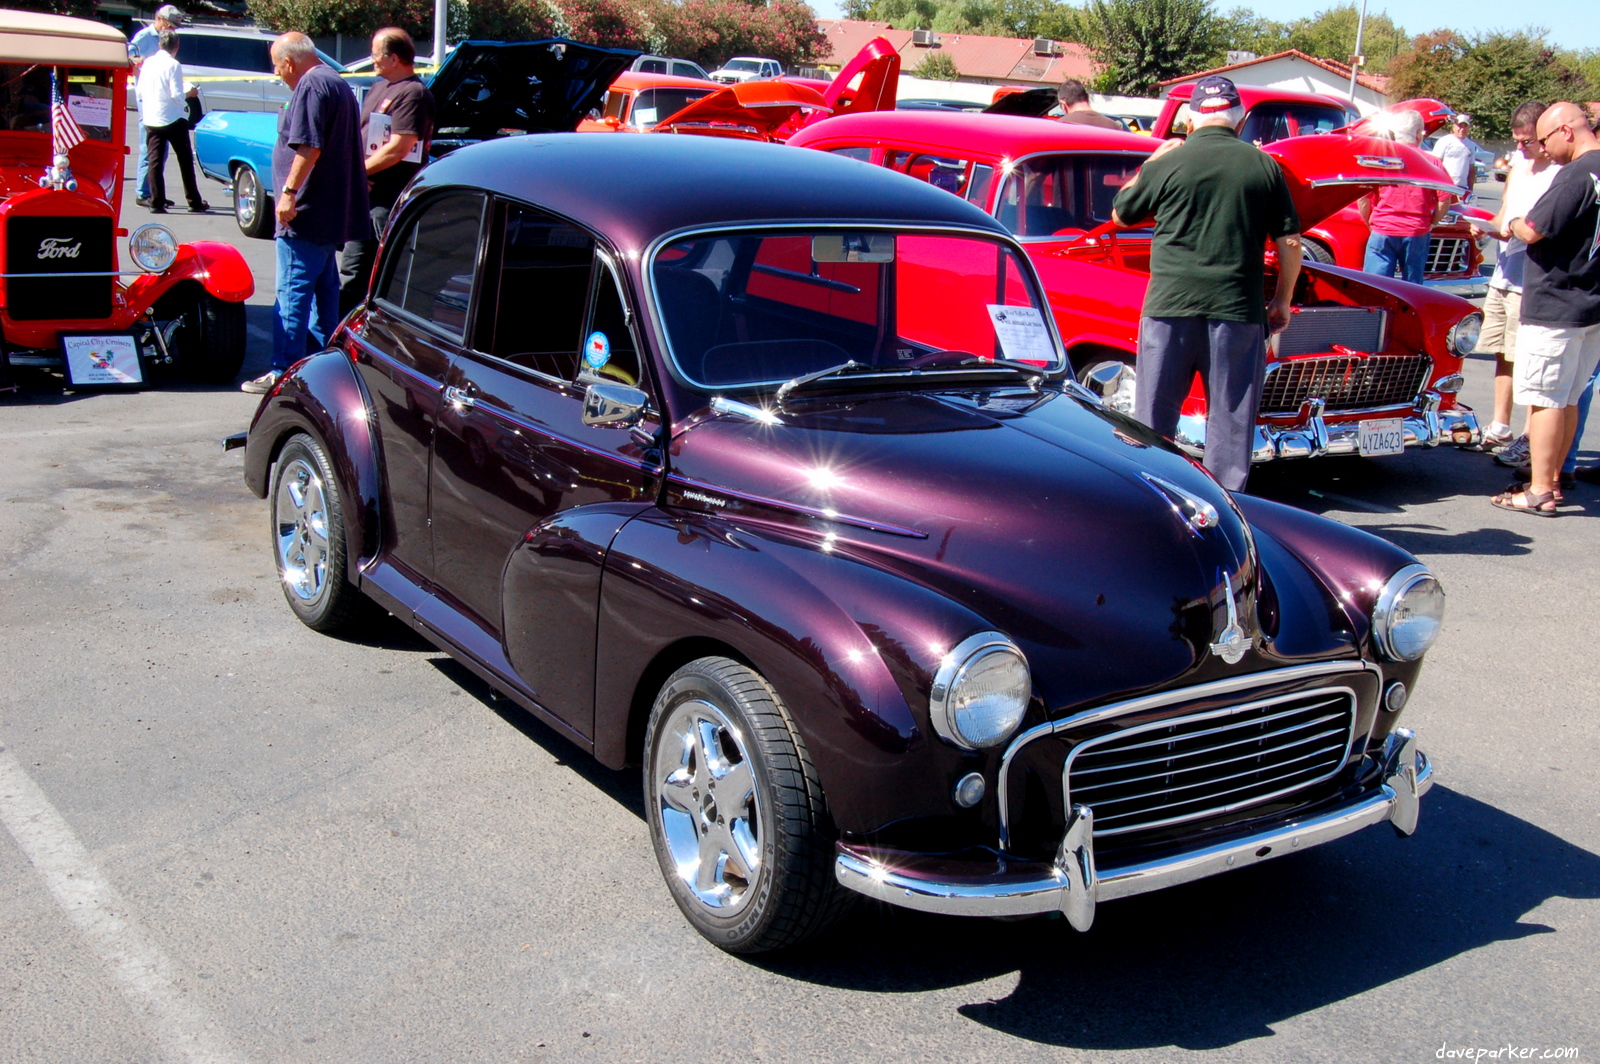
(1072, 884)
(1465, 287)
(1312, 436)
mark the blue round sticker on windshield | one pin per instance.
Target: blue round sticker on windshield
(597, 350)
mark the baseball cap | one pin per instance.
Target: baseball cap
(1461, 119)
(1214, 93)
(171, 14)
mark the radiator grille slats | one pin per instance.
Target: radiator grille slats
(1446, 255)
(1215, 762)
(1345, 382)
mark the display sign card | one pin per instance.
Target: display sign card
(1022, 334)
(102, 360)
(378, 127)
(88, 111)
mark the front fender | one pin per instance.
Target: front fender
(850, 648)
(323, 395)
(219, 268)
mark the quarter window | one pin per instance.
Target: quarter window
(430, 272)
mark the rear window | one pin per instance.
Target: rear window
(655, 104)
(1269, 122)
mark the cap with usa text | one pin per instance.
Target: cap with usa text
(1214, 93)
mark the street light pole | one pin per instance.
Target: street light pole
(1357, 59)
(441, 15)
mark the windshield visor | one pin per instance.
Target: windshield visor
(1064, 195)
(759, 308)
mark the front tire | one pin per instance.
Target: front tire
(251, 210)
(211, 340)
(308, 545)
(736, 812)
(1317, 252)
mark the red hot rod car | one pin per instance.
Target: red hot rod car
(60, 216)
(1368, 365)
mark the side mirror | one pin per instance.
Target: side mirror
(613, 405)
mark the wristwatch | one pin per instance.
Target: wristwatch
(290, 191)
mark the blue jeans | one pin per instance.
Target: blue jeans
(142, 182)
(1584, 402)
(307, 310)
(1408, 253)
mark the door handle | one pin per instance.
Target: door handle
(458, 398)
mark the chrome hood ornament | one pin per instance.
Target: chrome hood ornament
(1197, 514)
(1233, 642)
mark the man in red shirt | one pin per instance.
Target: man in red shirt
(1401, 216)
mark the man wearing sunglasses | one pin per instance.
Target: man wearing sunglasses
(1558, 343)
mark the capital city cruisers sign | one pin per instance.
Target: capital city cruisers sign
(59, 247)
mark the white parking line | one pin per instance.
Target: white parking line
(142, 971)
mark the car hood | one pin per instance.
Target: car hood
(1436, 114)
(487, 88)
(1328, 172)
(1057, 522)
(1029, 103)
(748, 109)
(878, 64)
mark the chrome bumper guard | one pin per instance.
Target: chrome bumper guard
(1073, 884)
(1312, 437)
(1465, 287)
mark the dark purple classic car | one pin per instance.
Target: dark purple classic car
(763, 469)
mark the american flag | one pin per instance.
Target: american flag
(65, 133)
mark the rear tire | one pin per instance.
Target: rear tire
(736, 812)
(211, 340)
(1318, 252)
(251, 210)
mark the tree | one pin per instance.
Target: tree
(937, 66)
(1138, 43)
(1487, 75)
(80, 8)
(712, 31)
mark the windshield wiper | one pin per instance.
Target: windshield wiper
(852, 368)
(841, 370)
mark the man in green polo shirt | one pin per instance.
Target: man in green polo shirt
(1215, 200)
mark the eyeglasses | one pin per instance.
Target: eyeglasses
(1553, 132)
(1523, 142)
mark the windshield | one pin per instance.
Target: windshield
(1270, 122)
(655, 104)
(1064, 195)
(760, 308)
(742, 64)
(25, 98)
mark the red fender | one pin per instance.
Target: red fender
(218, 267)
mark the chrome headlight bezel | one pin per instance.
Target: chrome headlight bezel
(955, 723)
(153, 247)
(1463, 338)
(1406, 582)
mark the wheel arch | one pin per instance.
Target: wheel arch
(218, 268)
(1083, 352)
(324, 398)
(667, 661)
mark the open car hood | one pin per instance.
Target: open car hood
(754, 110)
(1329, 172)
(879, 66)
(1435, 116)
(1029, 103)
(488, 88)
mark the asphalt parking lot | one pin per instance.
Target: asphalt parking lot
(232, 839)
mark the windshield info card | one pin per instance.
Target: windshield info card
(1022, 333)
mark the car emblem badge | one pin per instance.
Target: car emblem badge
(1381, 162)
(1230, 647)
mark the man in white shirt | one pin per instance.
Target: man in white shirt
(166, 122)
(1531, 172)
(142, 46)
(1455, 152)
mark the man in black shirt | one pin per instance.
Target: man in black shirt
(396, 126)
(1558, 342)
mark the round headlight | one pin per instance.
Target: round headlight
(980, 692)
(153, 247)
(1408, 615)
(1464, 336)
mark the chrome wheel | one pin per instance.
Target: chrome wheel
(300, 519)
(1114, 382)
(710, 810)
(246, 192)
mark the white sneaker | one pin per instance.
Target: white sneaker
(262, 384)
(1515, 453)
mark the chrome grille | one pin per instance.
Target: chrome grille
(1314, 330)
(1344, 382)
(1446, 255)
(1211, 763)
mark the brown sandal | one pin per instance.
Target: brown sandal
(1532, 503)
(1522, 486)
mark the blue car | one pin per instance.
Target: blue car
(485, 89)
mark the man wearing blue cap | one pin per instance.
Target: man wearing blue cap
(1215, 201)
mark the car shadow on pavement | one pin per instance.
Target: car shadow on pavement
(1218, 962)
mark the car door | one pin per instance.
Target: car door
(525, 494)
(415, 323)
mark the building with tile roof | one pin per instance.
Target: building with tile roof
(978, 59)
(1297, 71)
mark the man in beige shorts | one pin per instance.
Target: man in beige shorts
(1558, 342)
(1531, 173)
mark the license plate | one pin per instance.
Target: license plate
(1385, 436)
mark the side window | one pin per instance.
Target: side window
(608, 351)
(863, 154)
(617, 105)
(653, 66)
(978, 184)
(429, 275)
(543, 292)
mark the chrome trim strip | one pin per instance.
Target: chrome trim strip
(1226, 711)
(793, 507)
(1049, 887)
(1231, 685)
